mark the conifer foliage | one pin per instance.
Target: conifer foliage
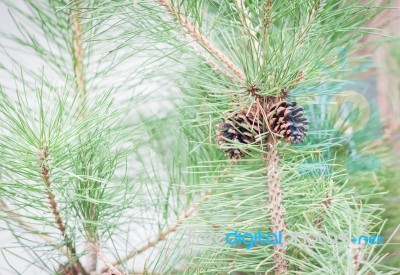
(159, 128)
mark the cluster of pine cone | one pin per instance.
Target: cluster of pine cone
(246, 127)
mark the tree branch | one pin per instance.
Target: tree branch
(267, 16)
(326, 204)
(207, 58)
(78, 55)
(165, 233)
(248, 29)
(203, 41)
(313, 15)
(356, 256)
(277, 209)
(77, 50)
(44, 171)
(109, 266)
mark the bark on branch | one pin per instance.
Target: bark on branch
(203, 41)
(45, 174)
(277, 209)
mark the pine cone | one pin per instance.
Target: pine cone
(241, 128)
(288, 120)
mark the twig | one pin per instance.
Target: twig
(91, 263)
(44, 171)
(206, 57)
(356, 251)
(301, 75)
(78, 54)
(266, 21)
(51, 197)
(78, 51)
(109, 266)
(313, 15)
(267, 16)
(165, 233)
(197, 36)
(277, 209)
(248, 30)
(326, 204)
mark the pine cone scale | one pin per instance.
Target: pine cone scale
(288, 121)
(241, 128)
(283, 118)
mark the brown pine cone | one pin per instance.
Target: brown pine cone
(287, 120)
(242, 127)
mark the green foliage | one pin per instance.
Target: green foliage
(113, 192)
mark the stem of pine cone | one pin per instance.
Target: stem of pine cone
(202, 40)
(277, 209)
(44, 171)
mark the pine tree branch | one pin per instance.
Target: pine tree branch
(108, 265)
(267, 16)
(44, 171)
(165, 233)
(316, 9)
(326, 204)
(78, 55)
(301, 75)
(213, 65)
(312, 16)
(248, 29)
(202, 40)
(266, 21)
(355, 256)
(51, 198)
(78, 52)
(277, 209)
(91, 263)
